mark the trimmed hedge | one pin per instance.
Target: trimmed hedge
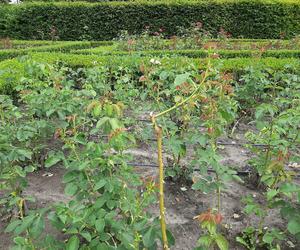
(12, 70)
(55, 47)
(108, 50)
(104, 21)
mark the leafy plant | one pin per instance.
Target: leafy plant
(209, 221)
(278, 130)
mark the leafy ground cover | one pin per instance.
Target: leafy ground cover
(81, 171)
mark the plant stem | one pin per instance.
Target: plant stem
(269, 145)
(158, 131)
(177, 105)
(219, 194)
(159, 135)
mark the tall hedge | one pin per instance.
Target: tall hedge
(104, 21)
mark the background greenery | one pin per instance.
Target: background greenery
(105, 20)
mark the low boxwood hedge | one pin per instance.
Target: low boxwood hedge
(105, 20)
(53, 47)
(109, 50)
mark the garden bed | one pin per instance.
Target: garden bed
(92, 155)
(182, 203)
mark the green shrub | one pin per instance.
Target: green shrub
(104, 21)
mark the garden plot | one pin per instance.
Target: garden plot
(93, 158)
(182, 203)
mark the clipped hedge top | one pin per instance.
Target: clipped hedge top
(158, 2)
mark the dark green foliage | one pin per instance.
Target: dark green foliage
(104, 21)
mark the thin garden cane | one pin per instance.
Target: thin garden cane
(158, 131)
(159, 136)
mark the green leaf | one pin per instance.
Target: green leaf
(97, 111)
(202, 139)
(205, 240)
(114, 123)
(268, 238)
(26, 222)
(242, 241)
(294, 226)
(289, 188)
(179, 79)
(100, 184)
(38, 226)
(100, 201)
(71, 189)
(163, 75)
(52, 160)
(30, 169)
(86, 235)
(73, 243)
(82, 165)
(70, 176)
(127, 238)
(170, 237)
(20, 171)
(271, 194)
(26, 153)
(11, 227)
(20, 241)
(222, 242)
(149, 237)
(100, 224)
(102, 121)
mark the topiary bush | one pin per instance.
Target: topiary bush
(105, 20)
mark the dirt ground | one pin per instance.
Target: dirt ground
(182, 203)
